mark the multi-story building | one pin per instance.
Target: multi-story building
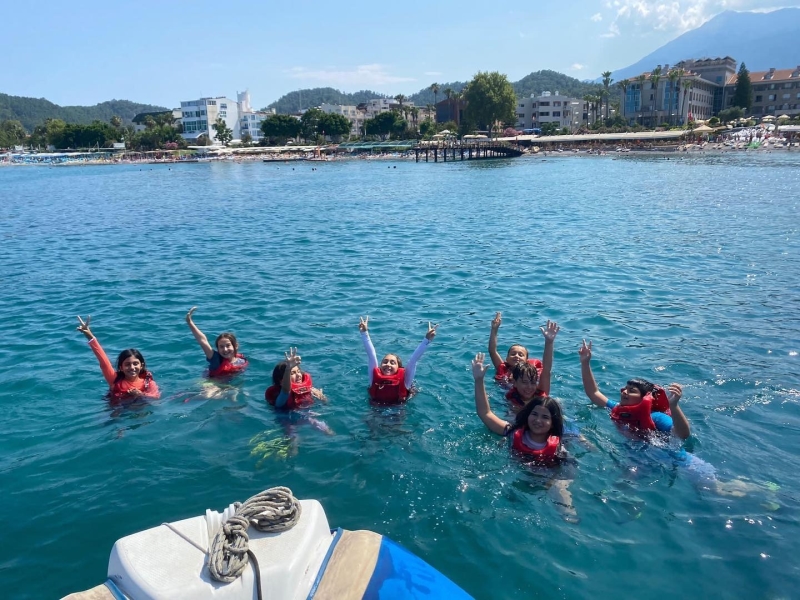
(775, 92)
(699, 89)
(353, 114)
(562, 110)
(250, 120)
(198, 116)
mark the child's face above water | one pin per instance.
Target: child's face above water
(296, 375)
(389, 364)
(516, 355)
(226, 348)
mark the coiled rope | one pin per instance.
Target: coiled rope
(272, 511)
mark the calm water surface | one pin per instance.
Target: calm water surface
(680, 270)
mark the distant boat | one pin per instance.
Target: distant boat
(307, 561)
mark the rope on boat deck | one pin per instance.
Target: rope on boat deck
(271, 511)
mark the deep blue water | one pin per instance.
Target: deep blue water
(680, 270)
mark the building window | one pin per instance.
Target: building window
(556, 113)
(544, 114)
(772, 97)
(787, 96)
(758, 98)
(223, 106)
(212, 102)
(557, 103)
(544, 103)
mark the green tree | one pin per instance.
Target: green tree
(734, 113)
(655, 77)
(12, 133)
(279, 128)
(435, 89)
(490, 98)
(743, 94)
(223, 133)
(246, 138)
(385, 124)
(309, 123)
(623, 87)
(334, 125)
(606, 85)
(427, 128)
(116, 122)
(640, 80)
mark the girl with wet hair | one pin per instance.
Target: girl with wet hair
(223, 359)
(130, 380)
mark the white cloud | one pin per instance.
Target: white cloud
(597, 17)
(675, 16)
(577, 67)
(362, 75)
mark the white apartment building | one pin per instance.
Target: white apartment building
(352, 113)
(250, 120)
(198, 116)
(549, 108)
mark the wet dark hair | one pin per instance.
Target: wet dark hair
(126, 354)
(227, 336)
(525, 369)
(557, 426)
(399, 360)
(644, 386)
(277, 373)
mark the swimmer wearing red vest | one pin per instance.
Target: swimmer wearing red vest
(130, 380)
(391, 382)
(224, 360)
(529, 381)
(517, 354)
(291, 387)
(535, 435)
(642, 405)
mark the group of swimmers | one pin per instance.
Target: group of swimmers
(536, 430)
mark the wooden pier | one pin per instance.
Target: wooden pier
(466, 151)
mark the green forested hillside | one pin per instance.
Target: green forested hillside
(552, 81)
(310, 98)
(537, 82)
(33, 111)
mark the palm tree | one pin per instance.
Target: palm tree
(448, 92)
(640, 80)
(400, 99)
(655, 77)
(589, 99)
(116, 122)
(623, 86)
(688, 84)
(674, 82)
(606, 83)
(435, 89)
(415, 115)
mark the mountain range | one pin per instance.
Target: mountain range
(33, 111)
(760, 40)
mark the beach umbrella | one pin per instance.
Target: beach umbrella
(768, 118)
(702, 129)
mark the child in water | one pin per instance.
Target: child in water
(391, 383)
(291, 387)
(517, 354)
(535, 433)
(224, 361)
(131, 379)
(528, 380)
(642, 405)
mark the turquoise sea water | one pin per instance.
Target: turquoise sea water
(680, 270)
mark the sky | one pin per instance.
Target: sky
(86, 51)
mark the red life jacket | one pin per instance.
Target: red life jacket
(503, 374)
(299, 397)
(546, 454)
(228, 368)
(660, 401)
(636, 416)
(388, 389)
(121, 390)
(513, 396)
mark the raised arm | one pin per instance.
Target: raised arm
(372, 358)
(491, 420)
(550, 331)
(589, 384)
(109, 373)
(680, 424)
(411, 367)
(199, 335)
(292, 360)
(497, 360)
